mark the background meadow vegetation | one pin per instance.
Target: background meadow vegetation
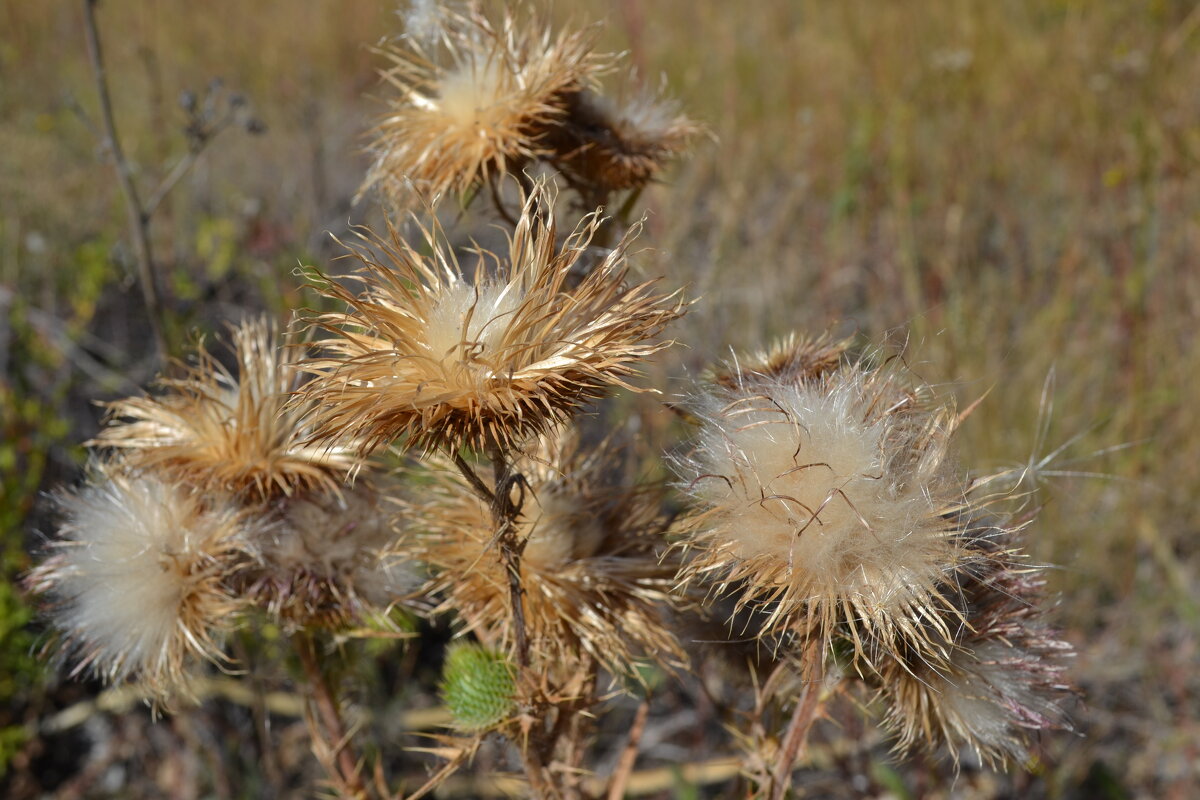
(1007, 190)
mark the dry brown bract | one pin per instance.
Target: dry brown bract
(477, 110)
(225, 433)
(592, 575)
(138, 581)
(488, 361)
(830, 501)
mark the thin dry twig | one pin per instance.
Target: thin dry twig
(139, 219)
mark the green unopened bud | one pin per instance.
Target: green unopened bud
(477, 686)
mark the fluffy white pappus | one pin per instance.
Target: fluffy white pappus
(1004, 676)
(832, 497)
(471, 319)
(137, 581)
(988, 698)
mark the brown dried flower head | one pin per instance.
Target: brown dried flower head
(592, 571)
(330, 559)
(486, 360)
(613, 143)
(1004, 678)
(476, 110)
(793, 359)
(829, 500)
(138, 580)
(225, 433)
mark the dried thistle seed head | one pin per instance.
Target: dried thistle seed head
(593, 580)
(138, 581)
(478, 686)
(1004, 678)
(794, 359)
(229, 433)
(489, 360)
(330, 559)
(613, 143)
(476, 110)
(828, 499)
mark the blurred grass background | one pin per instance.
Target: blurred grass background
(1007, 188)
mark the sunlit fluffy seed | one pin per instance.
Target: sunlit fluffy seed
(474, 104)
(138, 580)
(227, 432)
(330, 559)
(1004, 680)
(594, 581)
(429, 353)
(830, 499)
(612, 143)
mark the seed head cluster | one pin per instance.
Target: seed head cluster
(207, 502)
(826, 502)
(474, 99)
(820, 509)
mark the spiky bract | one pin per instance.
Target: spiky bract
(613, 143)
(591, 571)
(478, 686)
(228, 433)
(1004, 677)
(328, 559)
(831, 500)
(138, 580)
(488, 360)
(477, 109)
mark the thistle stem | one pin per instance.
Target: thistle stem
(504, 515)
(476, 482)
(349, 777)
(803, 717)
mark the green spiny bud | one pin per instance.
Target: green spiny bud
(477, 686)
